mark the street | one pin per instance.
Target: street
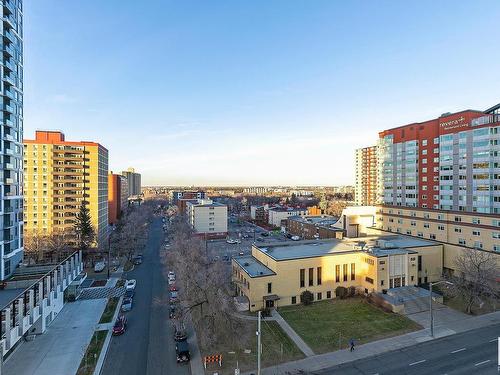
(472, 352)
(147, 347)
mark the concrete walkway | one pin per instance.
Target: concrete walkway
(61, 348)
(323, 361)
(292, 334)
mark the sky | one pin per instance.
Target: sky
(261, 92)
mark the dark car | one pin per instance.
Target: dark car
(129, 294)
(174, 297)
(264, 234)
(137, 260)
(226, 258)
(182, 351)
(172, 312)
(120, 326)
(127, 304)
(180, 333)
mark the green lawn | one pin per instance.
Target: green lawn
(109, 311)
(89, 360)
(329, 325)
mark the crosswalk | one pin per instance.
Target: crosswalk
(102, 292)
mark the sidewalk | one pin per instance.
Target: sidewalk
(322, 361)
(292, 334)
(60, 349)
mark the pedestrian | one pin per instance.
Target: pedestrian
(351, 343)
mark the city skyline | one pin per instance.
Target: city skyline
(284, 101)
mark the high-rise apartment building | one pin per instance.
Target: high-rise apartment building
(117, 196)
(134, 181)
(449, 163)
(366, 188)
(58, 176)
(11, 89)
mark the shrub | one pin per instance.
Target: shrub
(306, 297)
(265, 312)
(352, 291)
(341, 292)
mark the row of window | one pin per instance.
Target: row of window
(337, 274)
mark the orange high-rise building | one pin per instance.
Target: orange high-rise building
(117, 196)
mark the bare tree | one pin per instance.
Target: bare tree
(206, 292)
(474, 277)
(47, 247)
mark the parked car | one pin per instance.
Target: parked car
(264, 234)
(172, 312)
(130, 284)
(226, 258)
(127, 304)
(171, 275)
(241, 253)
(120, 325)
(231, 241)
(295, 238)
(182, 351)
(174, 296)
(173, 288)
(129, 293)
(99, 267)
(137, 260)
(179, 332)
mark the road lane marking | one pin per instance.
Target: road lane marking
(458, 350)
(416, 363)
(482, 363)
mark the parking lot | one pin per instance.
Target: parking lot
(247, 234)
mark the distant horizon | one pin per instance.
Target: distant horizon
(248, 186)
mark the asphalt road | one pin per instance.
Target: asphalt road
(473, 352)
(147, 346)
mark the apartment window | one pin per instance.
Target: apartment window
(319, 296)
(337, 273)
(476, 233)
(329, 294)
(302, 277)
(311, 276)
(369, 280)
(381, 282)
(475, 220)
(496, 248)
(294, 300)
(424, 161)
(269, 287)
(458, 219)
(353, 271)
(440, 227)
(432, 236)
(419, 263)
(344, 271)
(318, 271)
(478, 245)
(458, 230)
(424, 142)
(461, 241)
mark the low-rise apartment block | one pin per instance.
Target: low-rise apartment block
(276, 275)
(277, 214)
(313, 227)
(207, 218)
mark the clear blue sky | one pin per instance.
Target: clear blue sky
(252, 92)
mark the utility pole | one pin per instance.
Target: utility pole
(258, 346)
(430, 310)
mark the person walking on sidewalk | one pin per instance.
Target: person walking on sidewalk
(351, 344)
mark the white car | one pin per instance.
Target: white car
(171, 276)
(232, 242)
(295, 238)
(130, 284)
(99, 267)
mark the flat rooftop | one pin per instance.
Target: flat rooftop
(253, 267)
(394, 245)
(322, 221)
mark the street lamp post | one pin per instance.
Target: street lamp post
(430, 302)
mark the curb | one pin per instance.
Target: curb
(105, 346)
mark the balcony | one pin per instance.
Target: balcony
(8, 108)
(10, 7)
